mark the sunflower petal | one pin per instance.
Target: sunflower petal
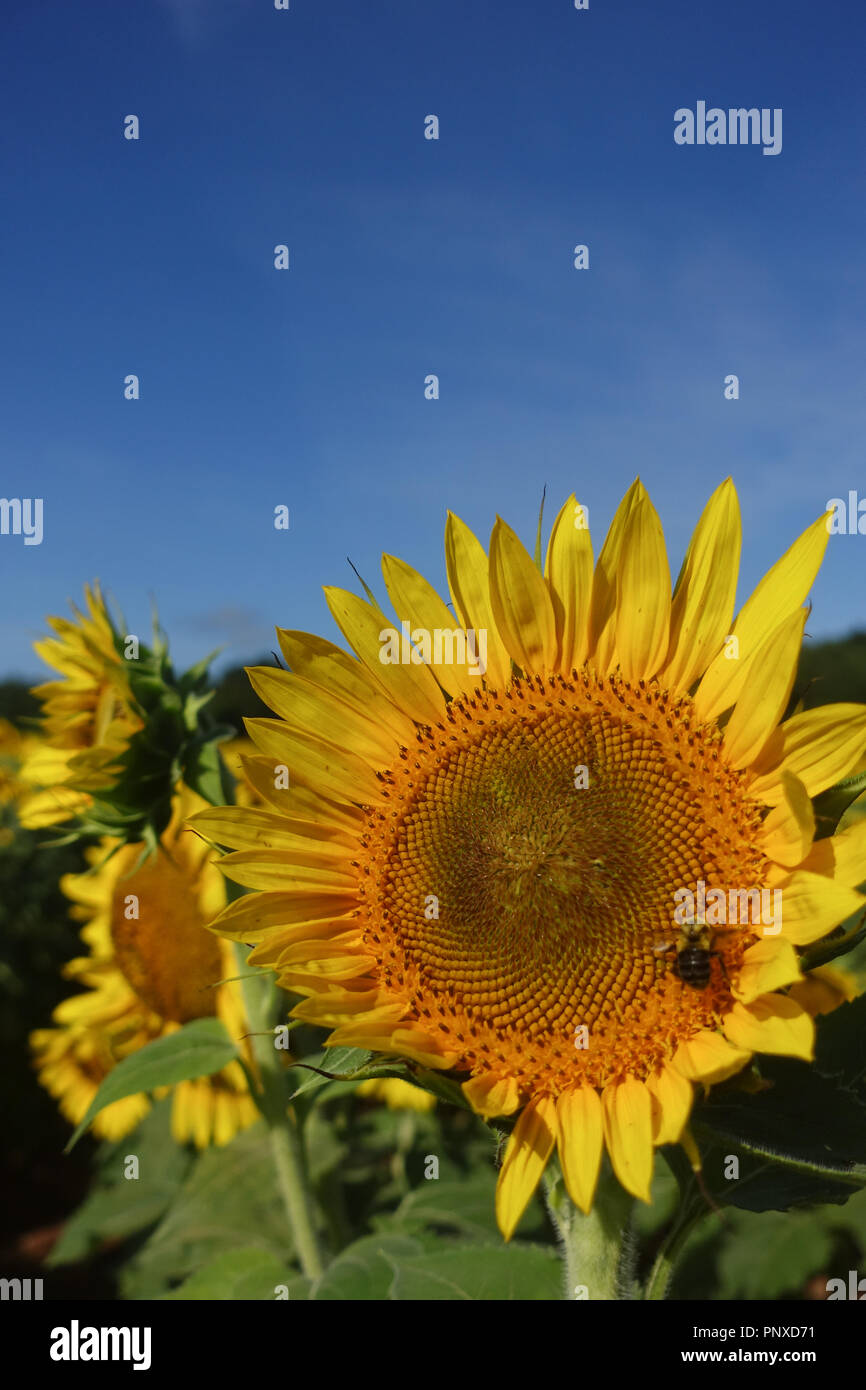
(529, 1147)
(819, 746)
(627, 1111)
(411, 686)
(672, 1098)
(775, 1023)
(521, 603)
(766, 693)
(643, 602)
(417, 603)
(703, 602)
(469, 585)
(568, 570)
(780, 593)
(581, 1141)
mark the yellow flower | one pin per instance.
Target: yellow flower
(88, 716)
(397, 1094)
(822, 990)
(477, 870)
(151, 967)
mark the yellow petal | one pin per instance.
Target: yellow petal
(768, 965)
(529, 1147)
(602, 610)
(819, 746)
(581, 1140)
(766, 693)
(707, 1057)
(469, 585)
(491, 1095)
(413, 687)
(703, 602)
(789, 829)
(568, 570)
(327, 665)
(643, 603)
(521, 603)
(332, 771)
(249, 828)
(841, 856)
(306, 706)
(780, 593)
(417, 603)
(671, 1104)
(627, 1112)
(813, 905)
(775, 1023)
(275, 869)
(254, 916)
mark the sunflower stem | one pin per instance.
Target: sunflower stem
(272, 1098)
(597, 1248)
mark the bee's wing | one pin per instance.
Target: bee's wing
(665, 946)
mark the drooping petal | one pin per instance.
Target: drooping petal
(581, 1141)
(529, 1147)
(627, 1111)
(672, 1098)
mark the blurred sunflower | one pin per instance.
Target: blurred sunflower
(397, 1094)
(151, 967)
(88, 716)
(468, 871)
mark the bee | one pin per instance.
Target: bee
(694, 954)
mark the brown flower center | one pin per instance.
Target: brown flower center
(526, 870)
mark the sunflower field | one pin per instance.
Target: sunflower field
(514, 949)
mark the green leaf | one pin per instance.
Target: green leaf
(343, 1062)
(773, 1254)
(118, 1207)
(807, 1123)
(832, 804)
(466, 1207)
(229, 1201)
(831, 947)
(473, 1272)
(204, 770)
(363, 1271)
(199, 1048)
(856, 811)
(248, 1273)
(840, 1046)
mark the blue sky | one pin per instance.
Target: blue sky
(408, 257)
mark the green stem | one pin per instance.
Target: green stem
(597, 1249)
(669, 1253)
(272, 1100)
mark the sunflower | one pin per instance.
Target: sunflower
(151, 966)
(88, 717)
(397, 1094)
(470, 856)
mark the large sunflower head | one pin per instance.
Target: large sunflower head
(151, 967)
(492, 837)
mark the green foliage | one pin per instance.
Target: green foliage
(199, 1048)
